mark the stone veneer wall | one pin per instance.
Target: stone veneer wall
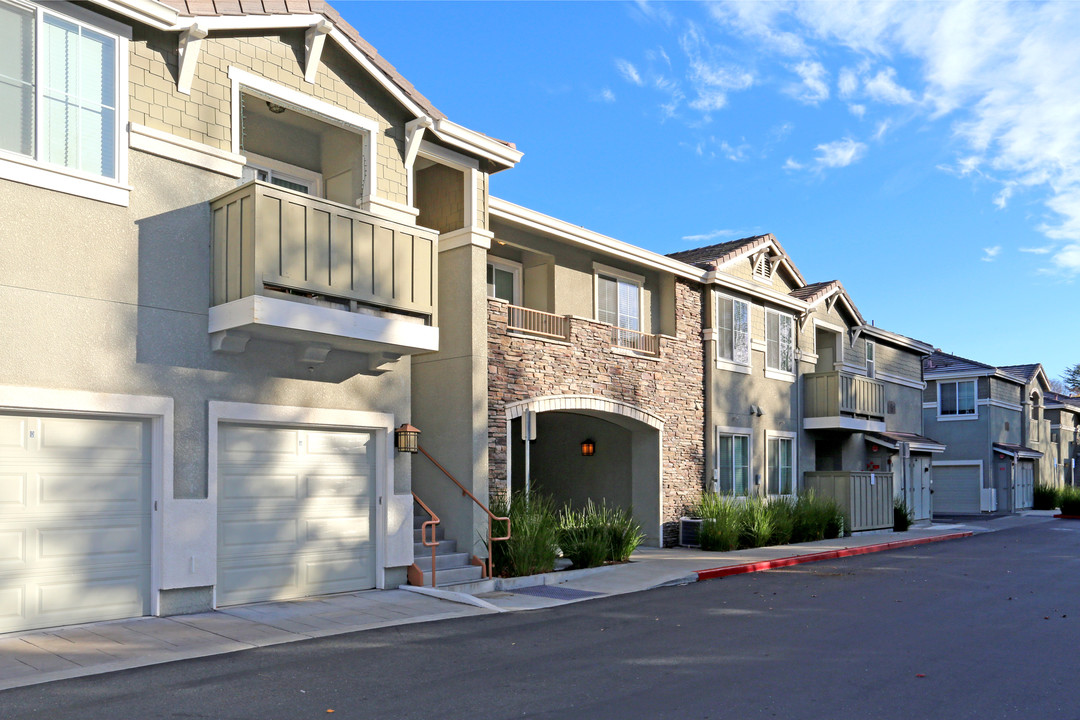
(671, 387)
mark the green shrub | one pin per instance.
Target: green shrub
(720, 524)
(533, 544)
(757, 523)
(817, 518)
(782, 512)
(597, 534)
(624, 533)
(1069, 500)
(901, 516)
(1045, 497)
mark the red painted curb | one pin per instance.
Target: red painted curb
(825, 555)
(1067, 517)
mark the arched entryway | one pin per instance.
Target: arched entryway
(623, 470)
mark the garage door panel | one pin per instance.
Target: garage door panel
(12, 607)
(101, 544)
(116, 594)
(12, 548)
(13, 493)
(92, 439)
(293, 524)
(957, 489)
(113, 488)
(13, 435)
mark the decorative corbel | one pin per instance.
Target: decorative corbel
(414, 135)
(314, 40)
(314, 353)
(229, 341)
(189, 45)
(855, 332)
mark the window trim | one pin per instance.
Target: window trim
(287, 171)
(724, 431)
(791, 437)
(29, 170)
(509, 266)
(624, 276)
(778, 373)
(958, 415)
(366, 128)
(871, 359)
(734, 364)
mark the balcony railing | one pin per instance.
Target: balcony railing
(536, 322)
(268, 240)
(843, 394)
(636, 341)
(557, 327)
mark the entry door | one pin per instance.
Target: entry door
(74, 521)
(918, 488)
(296, 513)
(1025, 482)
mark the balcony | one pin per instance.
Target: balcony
(843, 401)
(558, 327)
(866, 498)
(294, 268)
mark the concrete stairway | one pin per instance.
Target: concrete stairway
(451, 567)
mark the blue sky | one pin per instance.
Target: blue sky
(925, 154)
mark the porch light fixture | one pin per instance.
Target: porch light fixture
(588, 447)
(406, 438)
(275, 108)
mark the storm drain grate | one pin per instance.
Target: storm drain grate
(555, 592)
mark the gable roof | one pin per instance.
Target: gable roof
(818, 292)
(714, 257)
(944, 362)
(1054, 399)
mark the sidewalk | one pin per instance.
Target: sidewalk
(40, 656)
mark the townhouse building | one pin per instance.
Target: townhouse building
(222, 224)
(1063, 414)
(992, 421)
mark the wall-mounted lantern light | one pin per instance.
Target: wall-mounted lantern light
(406, 438)
(588, 447)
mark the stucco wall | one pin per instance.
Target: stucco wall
(521, 368)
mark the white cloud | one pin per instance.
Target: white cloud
(1045, 250)
(882, 128)
(991, 253)
(713, 235)
(758, 19)
(1006, 192)
(883, 88)
(793, 164)
(628, 71)
(606, 95)
(735, 154)
(847, 83)
(711, 77)
(839, 153)
(857, 110)
(814, 86)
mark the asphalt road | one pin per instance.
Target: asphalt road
(985, 627)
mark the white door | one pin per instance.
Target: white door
(1024, 489)
(296, 513)
(918, 488)
(957, 489)
(74, 521)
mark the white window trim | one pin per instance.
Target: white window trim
(724, 363)
(30, 170)
(639, 280)
(783, 435)
(838, 350)
(511, 267)
(287, 171)
(871, 364)
(367, 128)
(728, 431)
(958, 416)
(778, 373)
(381, 425)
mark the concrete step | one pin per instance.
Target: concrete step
(445, 547)
(472, 573)
(417, 534)
(469, 587)
(446, 561)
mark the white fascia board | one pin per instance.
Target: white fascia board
(898, 380)
(906, 342)
(574, 234)
(149, 12)
(249, 22)
(843, 423)
(475, 142)
(756, 290)
(957, 374)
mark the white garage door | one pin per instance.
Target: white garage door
(296, 514)
(74, 521)
(956, 489)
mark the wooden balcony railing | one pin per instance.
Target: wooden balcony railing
(270, 240)
(536, 322)
(835, 394)
(636, 341)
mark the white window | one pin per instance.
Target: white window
(733, 464)
(780, 457)
(61, 98)
(779, 341)
(276, 172)
(871, 351)
(956, 399)
(733, 330)
(618, 298)
(1035, 417)
(504, 280)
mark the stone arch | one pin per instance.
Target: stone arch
(592, 403)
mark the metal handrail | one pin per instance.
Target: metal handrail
(492, 517)
(434, 544)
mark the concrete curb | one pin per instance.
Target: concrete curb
(450, 595)
(742, 568)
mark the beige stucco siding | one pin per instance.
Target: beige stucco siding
(205, 115)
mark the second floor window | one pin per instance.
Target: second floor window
(733, 326)
(871, 359)
(503, 281)
(779, 341)
(956, 398)
(58, 91)
(618, 301)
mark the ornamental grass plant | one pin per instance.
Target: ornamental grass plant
(1045, 497)
(534, 539)
(1069, 500)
